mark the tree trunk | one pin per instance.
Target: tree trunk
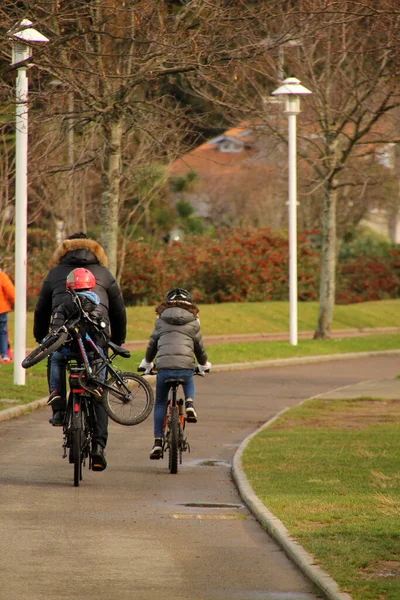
(111, 177)
(328, 265)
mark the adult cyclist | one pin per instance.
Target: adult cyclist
(80, 251)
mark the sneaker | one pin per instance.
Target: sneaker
(55, 395)
(57, 420)
(191, 415)
(6, 359)
(157, 449)
(99, 462)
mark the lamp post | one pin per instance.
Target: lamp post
(292, 90)
(21, 52)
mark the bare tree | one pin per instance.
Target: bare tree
(353, 78)
(120, 61)
(142, 79)
(346, 53)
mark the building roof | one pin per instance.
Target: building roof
(223, 154)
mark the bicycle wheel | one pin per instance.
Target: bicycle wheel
(128, 407)
(76, 440)
(76, 453)
(50, 344)
(173, 443)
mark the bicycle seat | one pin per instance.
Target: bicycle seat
(175, 381)
(119, 350)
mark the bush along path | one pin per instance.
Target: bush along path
(237, 266)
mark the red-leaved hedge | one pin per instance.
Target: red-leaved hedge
(240, 266)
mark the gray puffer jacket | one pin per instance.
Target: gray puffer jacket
(176, 340)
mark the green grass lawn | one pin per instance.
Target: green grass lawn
(220, 354)
(258, 317)
(329, 470)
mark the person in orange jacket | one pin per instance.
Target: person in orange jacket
(7, 299)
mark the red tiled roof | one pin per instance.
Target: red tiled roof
(208, 157)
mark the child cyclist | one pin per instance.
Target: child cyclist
(175, 341)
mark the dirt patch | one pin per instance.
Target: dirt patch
(345, 414)
(383, 569)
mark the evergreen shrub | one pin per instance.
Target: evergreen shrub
(241, 265)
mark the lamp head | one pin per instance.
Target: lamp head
(292, 90)
(21, 39)
(290, 86)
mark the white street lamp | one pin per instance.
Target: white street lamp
(292, 90)
(21, 52)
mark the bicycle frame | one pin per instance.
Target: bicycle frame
(92, 370)
(174, 439)
(127, 398)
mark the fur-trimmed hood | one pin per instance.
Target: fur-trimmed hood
(192, 308)
(176, 337)
(81, 244)
(85, 253)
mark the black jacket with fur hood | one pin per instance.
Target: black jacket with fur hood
(90, 255)
(176, 338)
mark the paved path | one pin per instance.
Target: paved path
(135, 531)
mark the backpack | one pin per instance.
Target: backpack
(91, 321)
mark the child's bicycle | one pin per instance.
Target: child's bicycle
(128, 398)
(174, 437)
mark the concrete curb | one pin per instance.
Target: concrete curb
(276, 528)
(21, 409)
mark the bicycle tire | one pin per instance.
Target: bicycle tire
(76, 450)
(77, 439)
(130, 410)
(173, 444)
(52, 342)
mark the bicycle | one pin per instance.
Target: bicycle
(173, 436)
(128, 398)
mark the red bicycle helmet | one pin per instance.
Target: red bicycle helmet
(81, 279)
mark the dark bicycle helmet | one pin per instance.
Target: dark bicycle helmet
(178, 294)
(81, 279)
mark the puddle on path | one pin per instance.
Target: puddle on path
(211, 505)
(208, 517)
(211, 515)
(209, 462)
(256, 595)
